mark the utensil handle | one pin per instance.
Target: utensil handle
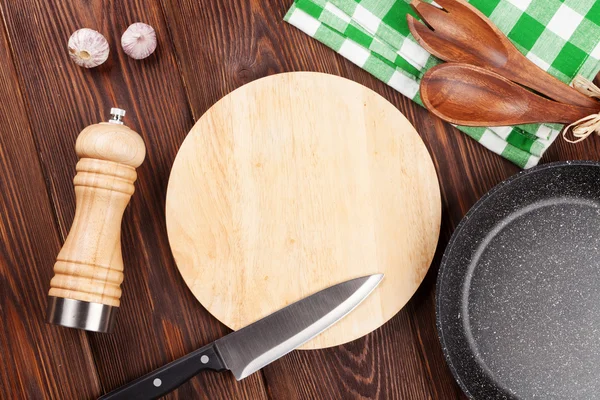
(541, 81)
(169, 377)
(570, 114)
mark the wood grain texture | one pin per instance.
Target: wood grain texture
(154, 326)
(37, 357)
(463, 34)
(297, 182)
(464, 94)
(206, 49)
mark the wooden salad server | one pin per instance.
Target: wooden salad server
(85, 290)
(467, 95)
(461, 33)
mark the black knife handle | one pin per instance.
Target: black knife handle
(169, 377)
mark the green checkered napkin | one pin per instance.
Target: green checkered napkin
(560, 36)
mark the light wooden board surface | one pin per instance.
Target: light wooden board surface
(293, 183)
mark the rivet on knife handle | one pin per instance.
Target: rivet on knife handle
(85, 290)
(169, 377)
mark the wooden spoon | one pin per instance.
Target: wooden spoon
(461, 33)
(467, 95)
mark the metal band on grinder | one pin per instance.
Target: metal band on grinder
(95, 317)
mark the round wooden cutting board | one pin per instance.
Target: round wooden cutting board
(293, 183)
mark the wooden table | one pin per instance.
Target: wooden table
(206, 49)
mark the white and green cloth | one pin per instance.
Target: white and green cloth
(560, 36)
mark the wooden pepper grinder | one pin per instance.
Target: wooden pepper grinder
(85, 290)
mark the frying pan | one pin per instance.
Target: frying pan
(518, 292)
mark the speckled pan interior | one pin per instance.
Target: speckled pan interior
(518, 292)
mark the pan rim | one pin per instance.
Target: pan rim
(457, 233)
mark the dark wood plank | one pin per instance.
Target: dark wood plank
(385, 364)
(159, 319)
(217, 46)
(38, 358)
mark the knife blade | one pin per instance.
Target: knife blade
(249, 349)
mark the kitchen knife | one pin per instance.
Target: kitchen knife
(249, 349)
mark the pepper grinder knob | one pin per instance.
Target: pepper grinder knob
(85, 291)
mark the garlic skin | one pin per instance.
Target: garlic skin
(88, 48)
(139, 40)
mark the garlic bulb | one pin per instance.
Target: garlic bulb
(139, 40)
(88, 48)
